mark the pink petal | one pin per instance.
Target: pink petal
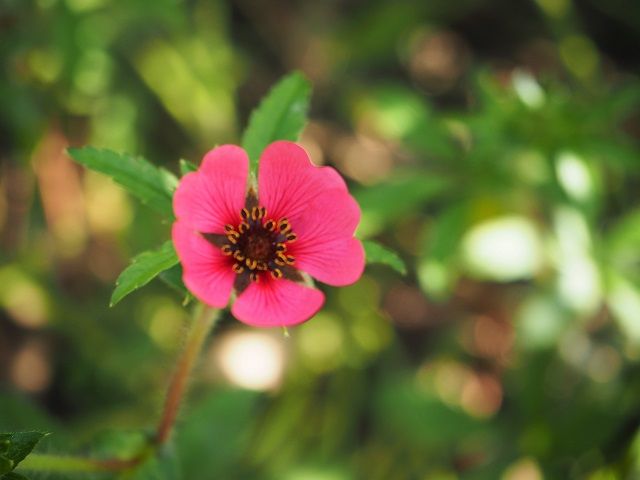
(277, 303)
(326, 248)
(207, 272)
(288, 181)
(214, 195)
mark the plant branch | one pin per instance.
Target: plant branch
(64, 463)
(205, 320)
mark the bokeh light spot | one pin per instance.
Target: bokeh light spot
(506, 248)
(250, 359)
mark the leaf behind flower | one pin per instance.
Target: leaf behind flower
(152, 185)
(144, 268)
(281, 115)
(376, 253)
(14, 447)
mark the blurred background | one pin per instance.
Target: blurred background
(493, 144)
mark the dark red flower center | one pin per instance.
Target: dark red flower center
(259, 244)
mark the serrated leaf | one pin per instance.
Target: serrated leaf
(152, 185)
(15, 447)
(143, 269)
(281, 115)
(376, 253)
(187, 167)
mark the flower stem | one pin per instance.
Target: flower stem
(204, 321)
(64, 463)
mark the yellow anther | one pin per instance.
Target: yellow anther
(251, 263)
(291, 237)
(238, 268)
(283, 225)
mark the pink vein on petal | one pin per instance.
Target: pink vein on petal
(326, 248)
(207, 272)
(273, 303)
(288, 181)
(214, 195)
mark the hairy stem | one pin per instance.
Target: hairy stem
(64, 463)
(205, 320)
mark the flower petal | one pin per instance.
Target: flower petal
(326, 248)
(207, 272)
(214, 195)
(276, 303)
(288, 181)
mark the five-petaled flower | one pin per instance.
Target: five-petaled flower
(231, 238)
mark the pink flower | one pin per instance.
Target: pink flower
(230, 238)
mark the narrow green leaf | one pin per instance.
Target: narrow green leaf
(281, 115)
(187, 167)
(15, 447)
(152, 185)
(376, 253)
(143, 269)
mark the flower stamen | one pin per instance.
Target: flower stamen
(259, 244)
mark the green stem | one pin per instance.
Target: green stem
(62, 463)
(205, 320)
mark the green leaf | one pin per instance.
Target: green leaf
(221, 418)
(13, 476)
(409, 192)
(143, 269)
(438, 266)
(14, 447)
(376, 253)
(281, 115)
(6, 465)
(162, 466)
(187, 167)
(152, 185)
(405, 412)
(173, 278)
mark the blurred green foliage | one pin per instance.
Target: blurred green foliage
(494, 144)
